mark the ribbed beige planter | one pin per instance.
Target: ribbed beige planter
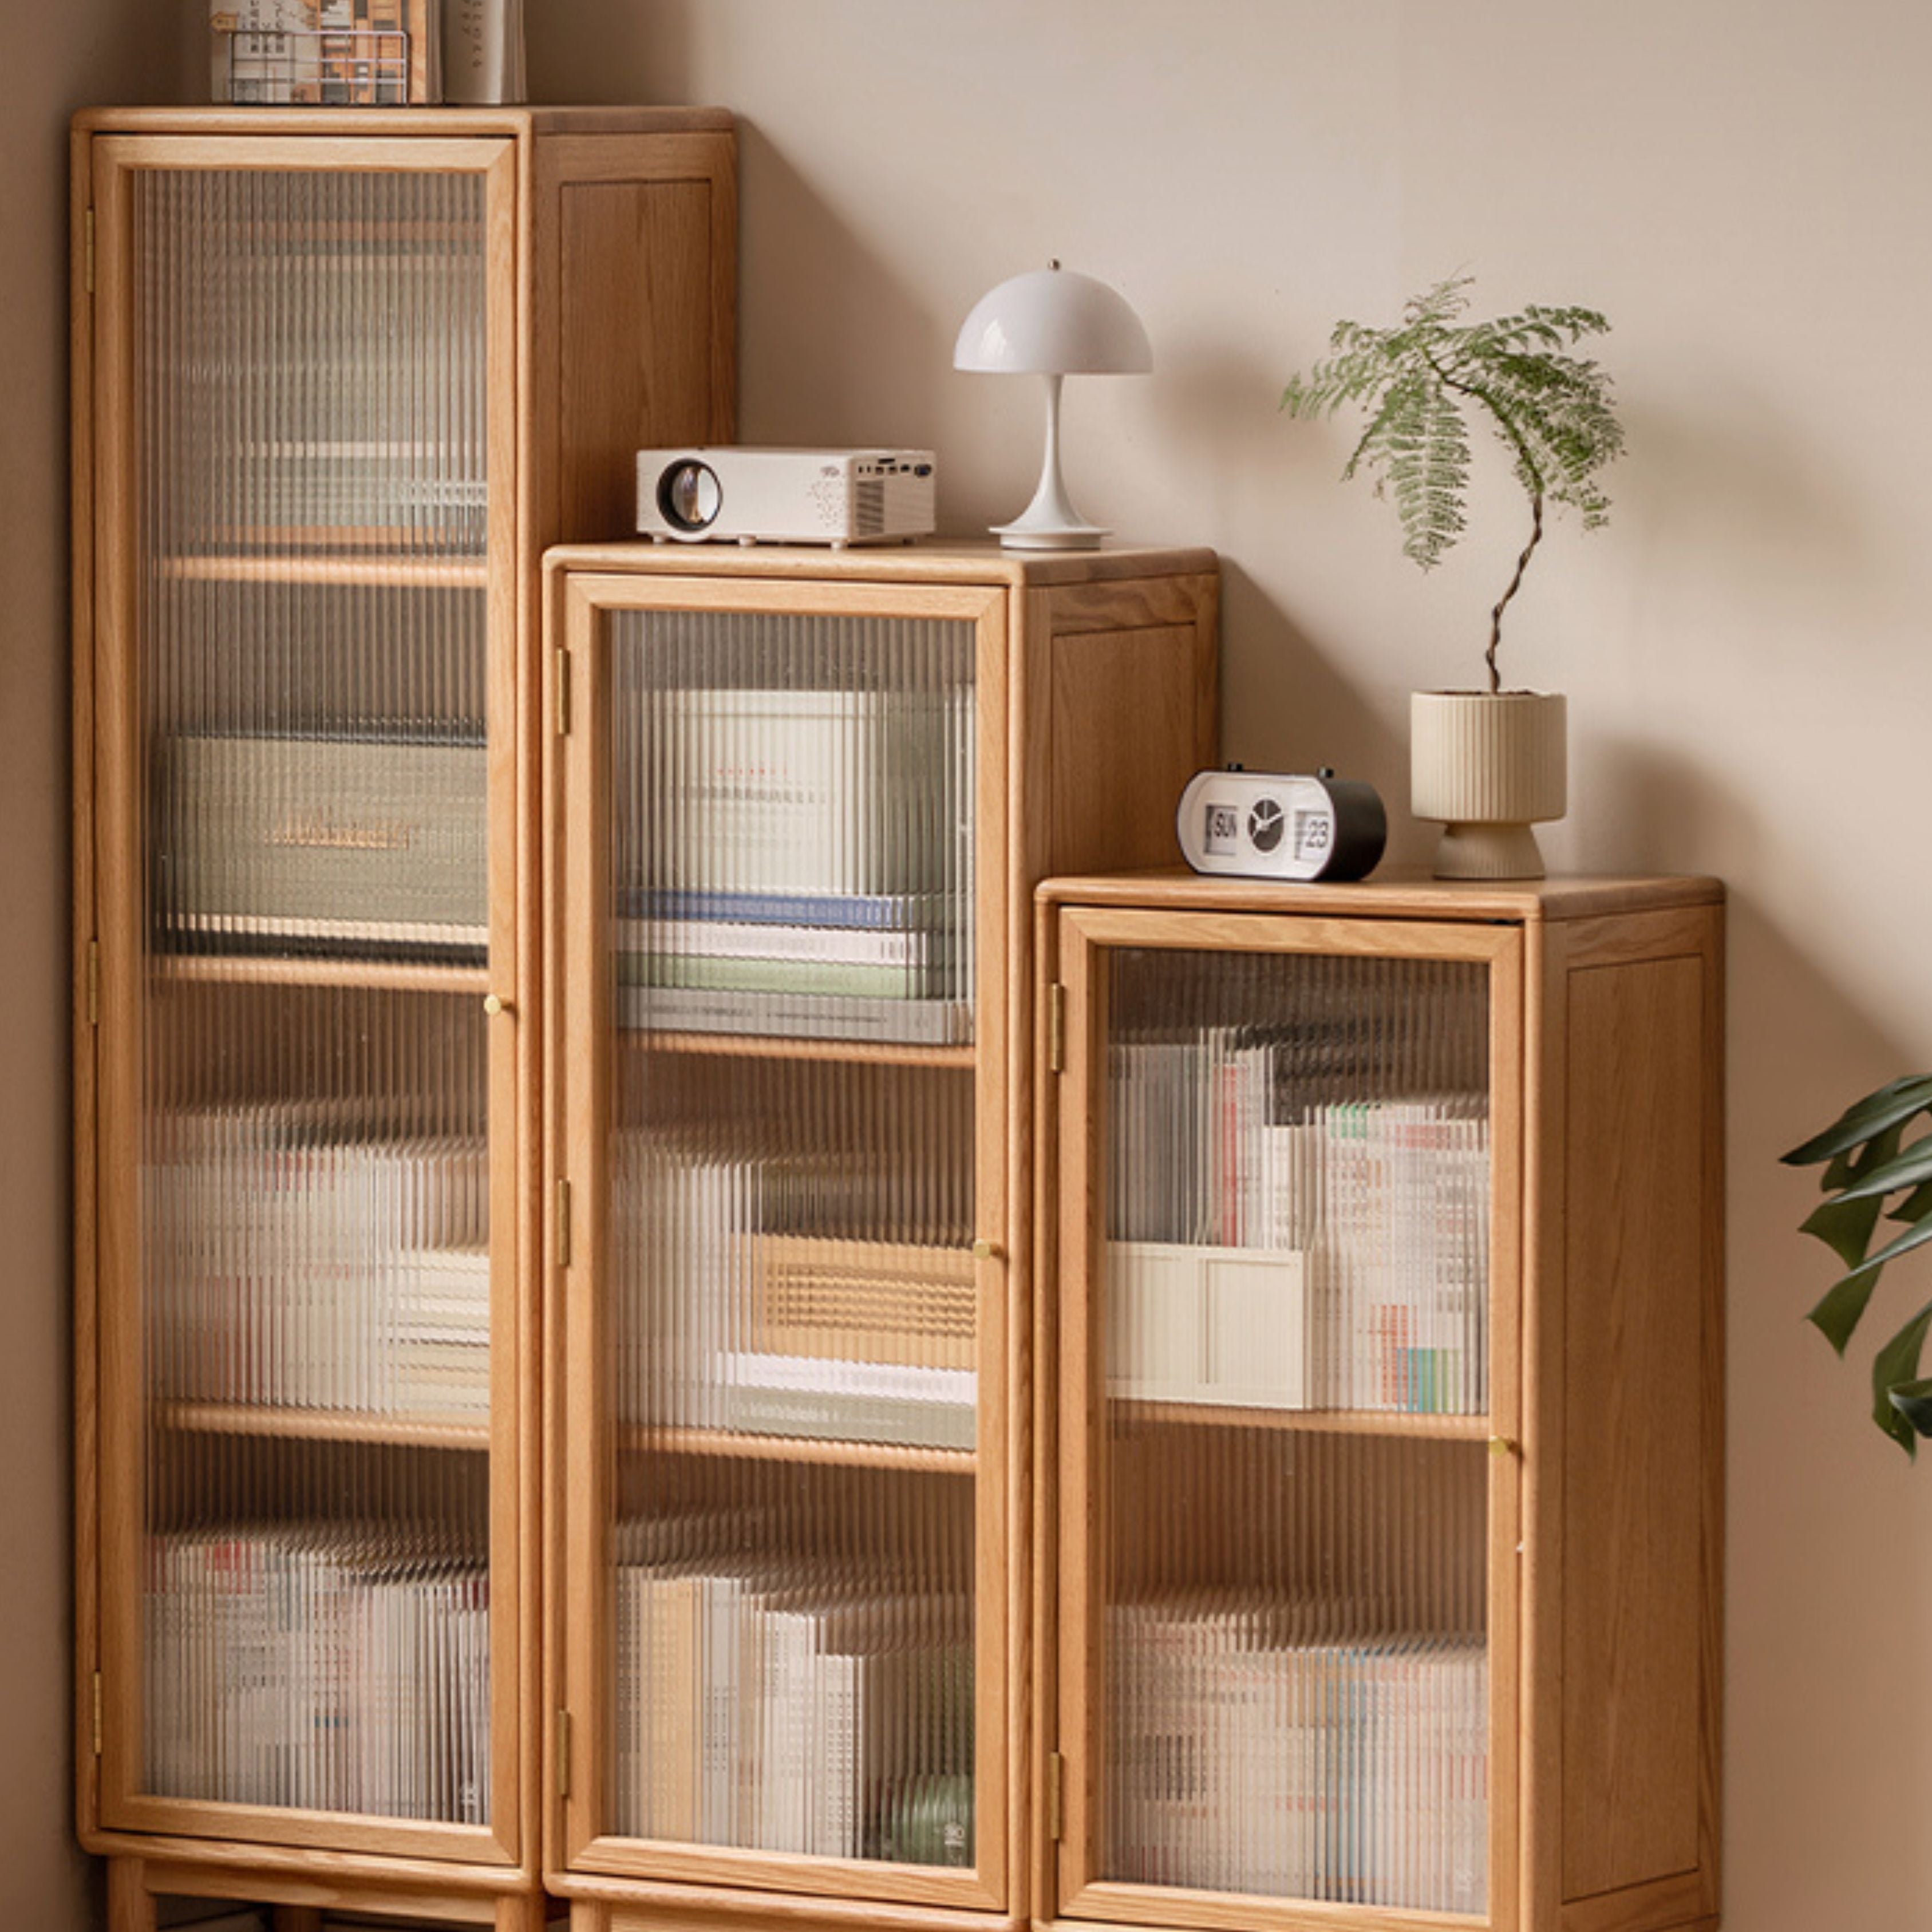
(1489, 765)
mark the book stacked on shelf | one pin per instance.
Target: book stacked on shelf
(1273, 1249)
(358, 846)
(294, 1268)
(736, 1315)
(333, 1667)
(764, 1704)
(1266, 1749)
(807, 869)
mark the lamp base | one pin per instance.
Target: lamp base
(1026, 535)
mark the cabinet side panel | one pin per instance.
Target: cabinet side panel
(1637, 1432)
(635, 355)
(1128, 733)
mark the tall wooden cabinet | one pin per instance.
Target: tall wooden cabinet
(1379, 1436)
(799, 801)
(339, 378)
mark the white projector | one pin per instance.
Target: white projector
(835, 497)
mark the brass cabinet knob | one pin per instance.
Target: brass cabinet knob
(984, 1250)
(494, 1004)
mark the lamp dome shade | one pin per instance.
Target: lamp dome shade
(1053, 321)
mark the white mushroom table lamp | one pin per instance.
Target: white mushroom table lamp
(1052, 322)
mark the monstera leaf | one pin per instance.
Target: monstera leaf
(1876, 1180)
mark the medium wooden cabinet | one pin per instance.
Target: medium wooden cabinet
(798, 801)
(339, 378)
(1379, 1430)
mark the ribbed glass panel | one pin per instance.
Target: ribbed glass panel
(1296, 1683)
(793, 1367)
(314, 1273)
(313, 351)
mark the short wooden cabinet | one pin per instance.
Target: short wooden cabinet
(339, 378)
(1379, 1434)
(798, 804)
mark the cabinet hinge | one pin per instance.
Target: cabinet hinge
(87, 226)
(563, 694)
(93, 982)
(563, 1224)
(563, 1753)
(1056, 1796)
(1056, 1027)
(98, 1720)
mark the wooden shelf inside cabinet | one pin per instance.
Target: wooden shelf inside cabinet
(390, 976)
(780, 1046)
(1397, 1424)
(320, 1425)
(411, 573)
(825, 1451)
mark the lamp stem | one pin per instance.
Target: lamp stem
(1050, 521)
(1051, 484)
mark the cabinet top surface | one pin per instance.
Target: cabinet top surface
(1396, 892)
(942, 558)
(391, 123)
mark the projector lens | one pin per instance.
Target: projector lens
(689, 496)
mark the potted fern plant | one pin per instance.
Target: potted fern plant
(1489, 764)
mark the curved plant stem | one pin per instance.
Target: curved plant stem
(1496, 615)
(1532, 475)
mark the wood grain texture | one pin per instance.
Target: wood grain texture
(647, 1907)
(1395, 892)
(635, 355)
(1540, 1839)
(828, 1890)
(299, 1898)
(579, 1133)
(86, 926)
(1103, 1905)
(388, 124)
(1137, 746)
(1638, 1431)
(930, 560)
(1684, 1904)
(220, 1866)
(1042, 1865)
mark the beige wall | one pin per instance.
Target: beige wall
(1743, 186)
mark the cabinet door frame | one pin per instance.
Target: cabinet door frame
(1072, 1638)
(578, 1107)
(106, 441)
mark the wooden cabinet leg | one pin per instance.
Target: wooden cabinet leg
(130, 1905)
(522, 1913)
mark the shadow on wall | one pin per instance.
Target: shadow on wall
(1827, 1588)
(1288, 706)
(590, 52)
(1635, 807)
(812, 292)
(1723, 472)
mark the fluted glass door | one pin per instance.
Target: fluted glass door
(1287, 1600)
(307, 1047)
(784, 1376)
